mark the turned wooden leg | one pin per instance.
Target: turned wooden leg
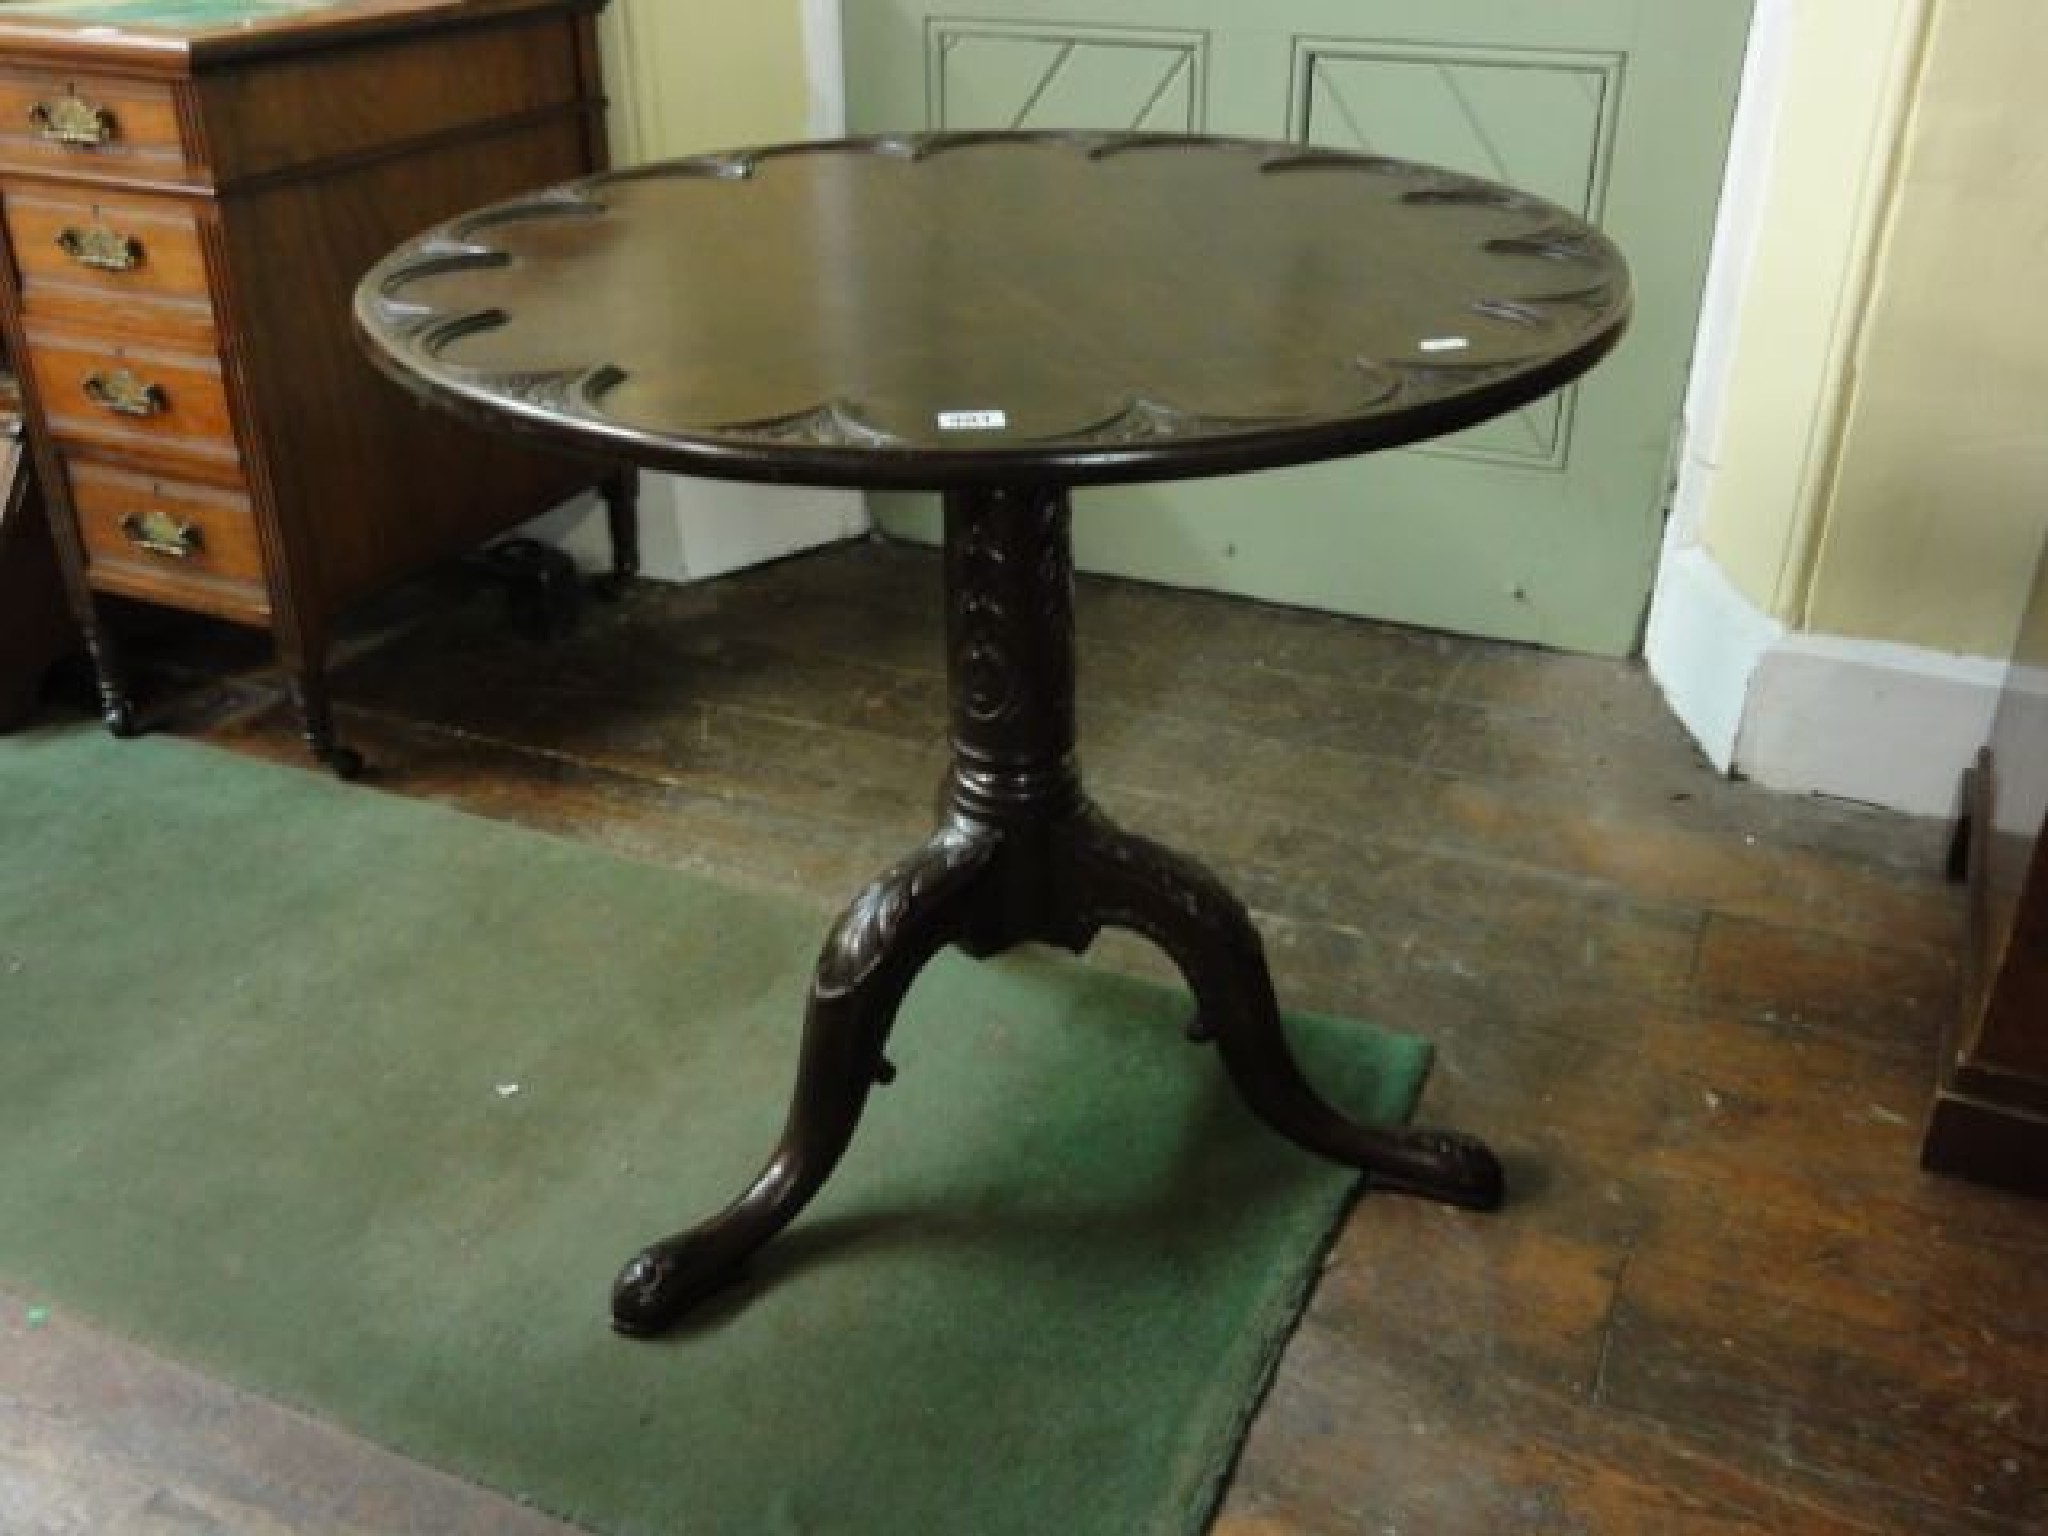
(621, 492)
(873, 954)
(117, 705)
(302, 651)
(1121, 880)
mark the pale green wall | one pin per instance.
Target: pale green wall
(1940, 497)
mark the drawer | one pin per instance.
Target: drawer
(161, 530)
(128, 261)
(90, 125)
(130, 393)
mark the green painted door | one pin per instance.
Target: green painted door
(1543, 526)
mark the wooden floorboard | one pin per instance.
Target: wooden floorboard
(1697, 1019)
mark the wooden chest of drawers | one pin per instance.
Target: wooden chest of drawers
(189, 193)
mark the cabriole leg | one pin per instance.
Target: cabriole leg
(873, 954)
(1131, 882)
(621, 492)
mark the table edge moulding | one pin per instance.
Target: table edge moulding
(828, 441)
(186, 210)
(1020, 854)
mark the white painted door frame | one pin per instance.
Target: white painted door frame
(1860, 719)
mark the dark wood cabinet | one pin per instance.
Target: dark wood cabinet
(187, 207)
(34, 628)
(1990, 1117)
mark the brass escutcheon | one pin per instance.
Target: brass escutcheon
(95, 245)
(72, 120)
(125, 395)
(158, 533)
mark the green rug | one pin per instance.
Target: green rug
(361, 1102)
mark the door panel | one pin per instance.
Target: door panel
(1543, 526)
(986, 75)
(1538, 120)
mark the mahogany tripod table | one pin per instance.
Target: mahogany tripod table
(1002, 318)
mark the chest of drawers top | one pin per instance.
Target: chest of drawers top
(198, 95)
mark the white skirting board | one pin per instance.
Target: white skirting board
(1863, 720)
(691, 529)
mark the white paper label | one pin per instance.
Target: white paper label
(1446, 343)
(973, 421)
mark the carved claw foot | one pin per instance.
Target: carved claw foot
(872, 955)
(1133, 883)
(118, 715)
(1449, 1166)
(307, 688)
(342, 762)
(658, 1286)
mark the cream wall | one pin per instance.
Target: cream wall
(1861, 489)
(1940, 496)
(1810, 169)
(709, 74)
(1867, 464)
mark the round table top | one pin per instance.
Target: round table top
(952, 310)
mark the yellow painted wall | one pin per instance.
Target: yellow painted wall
(1817, 162)
(1880, 471)
(707, 74)
(1940, 495)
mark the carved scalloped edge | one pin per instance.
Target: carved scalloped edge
(1553, 242)
(571, 391)
(1419, 382)
(725, 165)
(438, 330)
(1310, 157)
(1435, 184)
(454, 247)
(841, 422)
(432, 257)
(833, 424)
(1140, 419)
(1449, 190)
(1523, 314)
(1147, 418)
(1542, 311)
(743, 164)
(577, 392)
(568, 200)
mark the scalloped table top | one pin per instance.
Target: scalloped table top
(940, 311)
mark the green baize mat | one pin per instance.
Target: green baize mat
(360, 1102)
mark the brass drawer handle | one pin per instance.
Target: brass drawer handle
(95, 245)
(158, 533)
(71, 119)
(125, 395)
